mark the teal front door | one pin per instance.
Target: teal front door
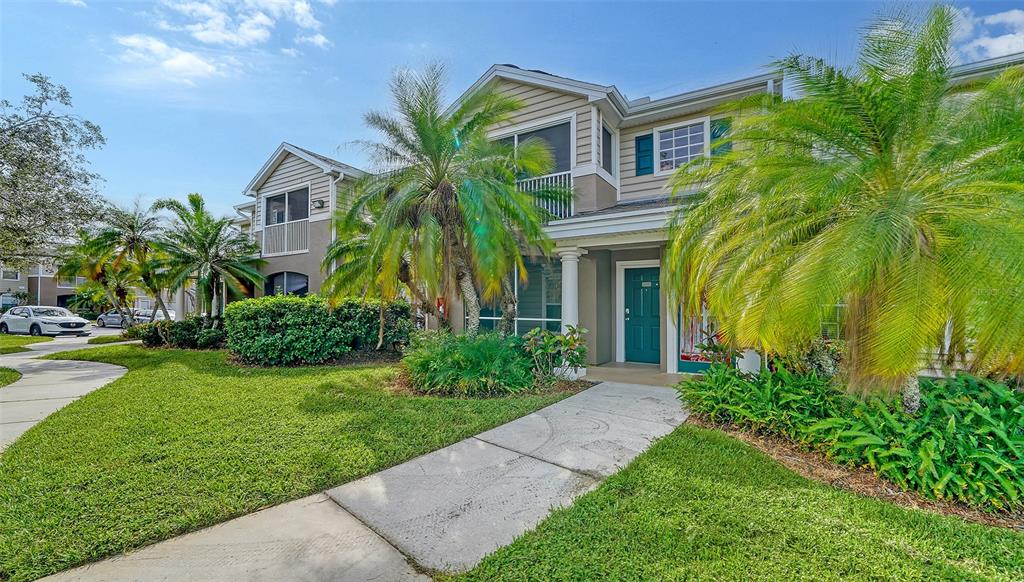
(642, 315)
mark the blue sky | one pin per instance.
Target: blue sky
(194, 95)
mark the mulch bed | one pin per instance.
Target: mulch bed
(863, 481)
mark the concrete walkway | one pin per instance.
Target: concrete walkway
(46, 386)
(441, 512)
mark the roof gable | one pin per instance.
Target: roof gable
(328, 165)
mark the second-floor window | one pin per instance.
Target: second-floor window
(607, 150)
(70, 282)
(678, 145)
(558, 138)
(10, 275)
(288, 207)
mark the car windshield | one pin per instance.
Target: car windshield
(50, 312)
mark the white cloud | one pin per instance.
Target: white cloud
(291, 52)
(986, 37)
(315, 39)
(156, 61)
(78, 3)
(238, 22)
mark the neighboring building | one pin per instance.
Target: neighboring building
(40, 285)
(616, 154)
(294, 196)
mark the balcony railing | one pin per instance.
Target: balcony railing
(287, 237)
(558, 208)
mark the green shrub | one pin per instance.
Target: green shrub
(462, 365)
(773, 401)
(184, 334)
(211, 339)
(966, 443)
(282, 330)
(153, 335)
(134, 332)
(551, 351)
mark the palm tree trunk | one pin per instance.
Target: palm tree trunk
(162, 306)
(380, 328)
(911, 395)
(469, 300)
(509, 308)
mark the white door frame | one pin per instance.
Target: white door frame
(620, 305)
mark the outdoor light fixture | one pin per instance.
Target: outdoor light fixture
(318, 204)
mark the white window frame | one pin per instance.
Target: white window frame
(17, 274)
(309, 203)
(515, 130)
(543, 320)
(76, 281)
(286, 273)
(613, 176)
(706, 120)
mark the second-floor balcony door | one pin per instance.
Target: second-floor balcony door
(286, 223)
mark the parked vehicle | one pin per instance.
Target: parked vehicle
(43, 320)
(113, 318)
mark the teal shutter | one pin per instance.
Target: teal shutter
(644, 154)
(719, 128)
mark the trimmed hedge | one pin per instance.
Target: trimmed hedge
(285, 330)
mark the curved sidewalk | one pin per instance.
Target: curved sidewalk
(46, 386)
(441, 512)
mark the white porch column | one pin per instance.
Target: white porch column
(179, 303)
(570, 286)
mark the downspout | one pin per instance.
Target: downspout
(333, 206)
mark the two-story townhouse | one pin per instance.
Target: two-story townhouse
(616, 154)
(294, 196)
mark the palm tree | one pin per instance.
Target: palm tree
(367, 261)
(885, 187)
(90, 258)
(450, 192)
(209, 251)
(131, 236)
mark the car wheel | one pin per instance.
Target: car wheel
(35, 330)
(100, 322)
(3, 328)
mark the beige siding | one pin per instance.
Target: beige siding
(541, 103)
(635, 187)
(294, 172)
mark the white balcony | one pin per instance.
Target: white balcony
(558, 208)
(285, 238)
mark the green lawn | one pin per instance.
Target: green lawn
(703, 506)
(107, 339)
(7, 376)
(12, 344)
(185, 440)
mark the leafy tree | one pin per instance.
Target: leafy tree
(446, 200)
(209, 251)
(46, 190)
(131, 237)
(886, 187)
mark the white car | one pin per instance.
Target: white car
(42, 320)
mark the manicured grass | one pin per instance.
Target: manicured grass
(185, 440)
(700, 505)
(12, 344)
(107, 339)
(8, 375)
